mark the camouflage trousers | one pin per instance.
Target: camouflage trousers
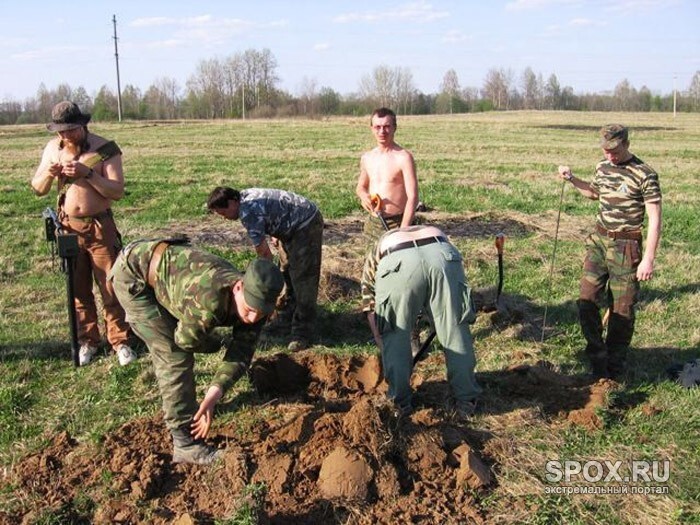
(174, 367)
(300, 262)
(609, 279)
(373, 227)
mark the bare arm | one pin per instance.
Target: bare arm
(645, 270)
(263, 250)
(362, 188)
(46, 173)
(583, 187)
(410, 182)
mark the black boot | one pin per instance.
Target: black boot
(600, 366)
(617, 358)
(186, 449)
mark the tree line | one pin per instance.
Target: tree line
(246, 85)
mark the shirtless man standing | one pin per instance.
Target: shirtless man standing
(389, 172)
(88, 172)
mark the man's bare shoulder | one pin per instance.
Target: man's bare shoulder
(96, 141)
(53, 145)
(372, 153)
(403, 152)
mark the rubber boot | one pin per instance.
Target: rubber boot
(617, 359)
(186, 449)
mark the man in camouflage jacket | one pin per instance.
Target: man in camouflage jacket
(625, 188)
(298, 224)
(174, 297)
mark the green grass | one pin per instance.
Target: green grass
(502, 165)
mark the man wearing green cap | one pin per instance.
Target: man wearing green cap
(626, 189)
(175, 296)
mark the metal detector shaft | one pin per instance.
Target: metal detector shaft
(551, 266)
(72, 317)
(66, 245)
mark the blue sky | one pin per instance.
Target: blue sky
(589, 45)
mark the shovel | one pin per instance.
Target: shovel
(376, 201)
(500, 242)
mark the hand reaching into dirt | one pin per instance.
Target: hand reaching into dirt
(205, 415)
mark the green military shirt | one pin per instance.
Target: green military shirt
(623, 190)
(194, 286)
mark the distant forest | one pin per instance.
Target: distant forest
(245, 85)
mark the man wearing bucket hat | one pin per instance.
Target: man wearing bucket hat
(88, 173)
(175, 297)
(626, 189)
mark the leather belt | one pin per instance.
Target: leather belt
(633, 235)
(412, 244)
(90, 218)
(156, 256)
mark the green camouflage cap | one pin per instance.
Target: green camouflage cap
(262, 284)
(612, 135)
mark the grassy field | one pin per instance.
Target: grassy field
(496, 170)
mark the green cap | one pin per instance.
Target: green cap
(612, 135)
(262, 284)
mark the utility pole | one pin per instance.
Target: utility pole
(116, 59)
(674, 96)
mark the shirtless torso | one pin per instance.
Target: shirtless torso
(89, 192)
(388, 171)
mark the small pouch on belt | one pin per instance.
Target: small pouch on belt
(156, 256)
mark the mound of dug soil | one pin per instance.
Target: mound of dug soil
(325, 447)
(330, 450)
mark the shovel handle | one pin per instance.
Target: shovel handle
(500, 241)
(376, 202)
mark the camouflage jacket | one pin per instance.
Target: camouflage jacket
(623, 190)
(277, 213)
(195, 287)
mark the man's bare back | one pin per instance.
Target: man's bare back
(389, 172)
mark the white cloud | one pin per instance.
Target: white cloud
(586, 22)
(636, 6)
(12, 41)
(166, 44)
(323, 46)
(158, 21)
(153, 21)
(50, 52)
(202, 29)
(420, 11)
(525, 5)
(454, 36)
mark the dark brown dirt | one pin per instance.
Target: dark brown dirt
(326, 447)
